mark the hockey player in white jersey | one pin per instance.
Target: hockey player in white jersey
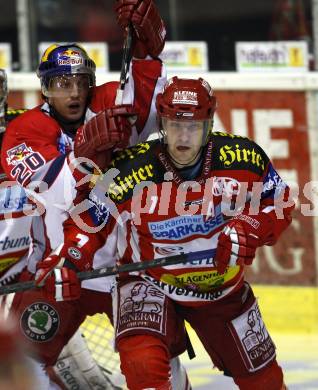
(14, 223)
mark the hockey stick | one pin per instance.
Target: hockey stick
(117, 269)
(124, 66)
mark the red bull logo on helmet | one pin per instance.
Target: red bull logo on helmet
(70, 57)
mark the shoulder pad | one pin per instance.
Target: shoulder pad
(136, 164)
(133, 153)
(238, 153)
(224, 134)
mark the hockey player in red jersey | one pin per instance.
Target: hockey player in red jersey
(191, 190)
(15, 221)
(43, 148)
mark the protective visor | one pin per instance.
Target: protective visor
(64, 85)
(194, 131)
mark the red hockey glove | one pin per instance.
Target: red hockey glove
(240, 238)
(62, 285)
(109, 129)
(56, 274)
(149, 29)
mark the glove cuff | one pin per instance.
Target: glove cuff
(261, 225)
(75, 258)
(141, 51)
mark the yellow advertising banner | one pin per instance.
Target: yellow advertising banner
(5, 56)
(280, 56)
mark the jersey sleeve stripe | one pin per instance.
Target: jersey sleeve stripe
(54, 170)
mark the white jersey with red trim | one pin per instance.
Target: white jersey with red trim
(151, 212)
(14, 223)
(37, 150)
(15, 230)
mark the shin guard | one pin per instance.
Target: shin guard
(269, 378)
(145, 362)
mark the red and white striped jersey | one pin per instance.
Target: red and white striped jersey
(37, 150)
(150, 212)
(14, 223)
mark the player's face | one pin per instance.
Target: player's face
(184, 139)
(68, 95)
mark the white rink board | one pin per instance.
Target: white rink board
(219, 80)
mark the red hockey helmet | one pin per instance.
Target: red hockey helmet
(186, 99)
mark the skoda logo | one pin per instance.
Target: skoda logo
(40, 322)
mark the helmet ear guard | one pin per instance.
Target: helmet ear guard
(65, 59)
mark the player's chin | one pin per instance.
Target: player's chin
(72, 118)
(185, 158)
(74, 114)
